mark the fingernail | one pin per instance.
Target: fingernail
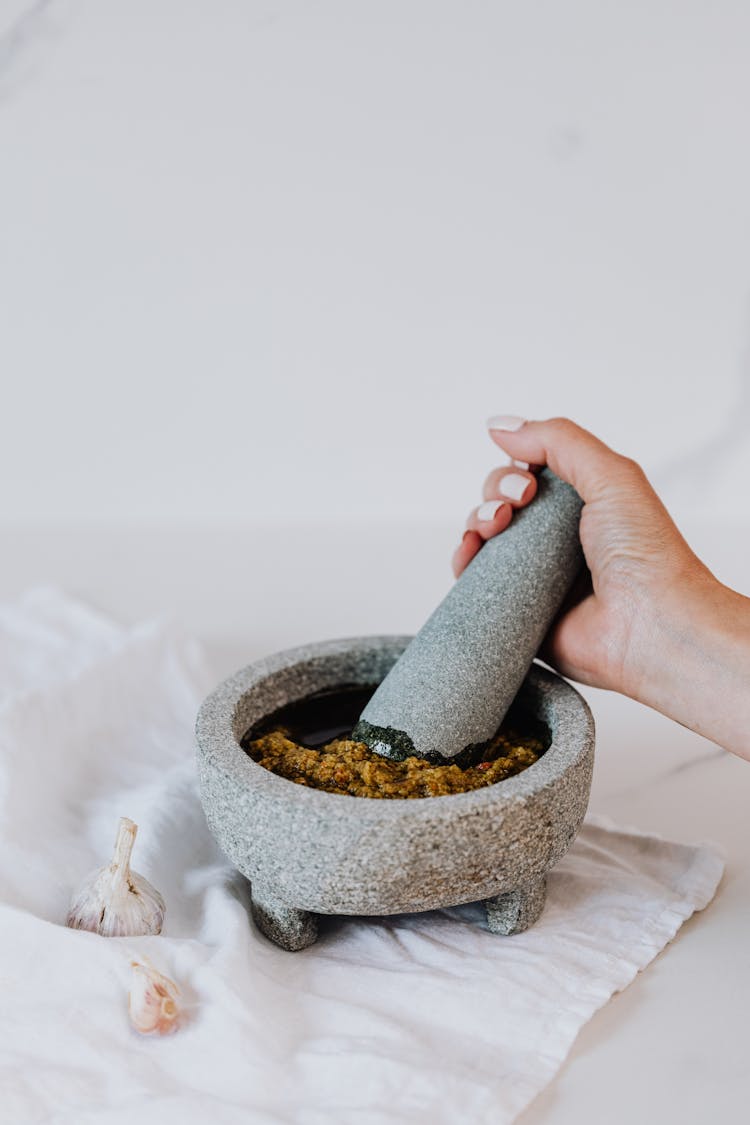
(488, 510)
(505, 422)
(521, 464)
(514, 486)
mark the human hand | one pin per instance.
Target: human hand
(649, 619)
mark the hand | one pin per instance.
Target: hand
(649, 620)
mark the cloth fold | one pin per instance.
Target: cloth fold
(410, 1018)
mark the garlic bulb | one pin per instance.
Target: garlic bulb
(152, 1003)
(115, 901)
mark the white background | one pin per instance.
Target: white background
(265, 264)
(277, 261)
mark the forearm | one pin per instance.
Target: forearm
(699, 671)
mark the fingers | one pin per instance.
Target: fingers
(465, 552)
(581, 591)
(505, 460)
(511, 484)
(504, 490)
(571, 452)
(489, 519)
(575, 643)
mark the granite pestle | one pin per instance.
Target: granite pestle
(449, 691)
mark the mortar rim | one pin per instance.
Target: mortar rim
(218, 745)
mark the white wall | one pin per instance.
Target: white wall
(278, 260)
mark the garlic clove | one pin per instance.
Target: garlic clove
(153, 1004)
(115, 901)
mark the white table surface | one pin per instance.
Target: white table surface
(673, 1046)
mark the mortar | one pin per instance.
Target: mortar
(308, 852)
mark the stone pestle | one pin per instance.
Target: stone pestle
(447, 694)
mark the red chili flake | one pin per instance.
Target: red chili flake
(484, 765)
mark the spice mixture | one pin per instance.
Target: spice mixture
(344, 766)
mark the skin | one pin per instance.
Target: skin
(649, 620)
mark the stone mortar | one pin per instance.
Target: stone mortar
(308, 852)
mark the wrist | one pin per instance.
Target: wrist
(699, 669)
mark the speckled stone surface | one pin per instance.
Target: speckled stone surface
(309, 852)
(454, 683)
(514, 912)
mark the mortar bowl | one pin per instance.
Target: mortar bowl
(308, 852)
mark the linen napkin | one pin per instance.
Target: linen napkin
(410, 1018)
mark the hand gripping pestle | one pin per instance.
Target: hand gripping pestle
(447, 694)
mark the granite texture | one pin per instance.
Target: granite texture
(309, 852)
(515, 911)
(448, 693)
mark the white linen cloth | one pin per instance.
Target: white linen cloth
(412, 1018)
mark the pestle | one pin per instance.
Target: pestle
(447, 694)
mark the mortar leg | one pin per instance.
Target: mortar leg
(290, 928)
(514, 912)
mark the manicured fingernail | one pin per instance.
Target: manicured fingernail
(521, 464)
(505, 422)
(514, 486)
(488, 510)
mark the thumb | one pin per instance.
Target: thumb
(574, 454)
